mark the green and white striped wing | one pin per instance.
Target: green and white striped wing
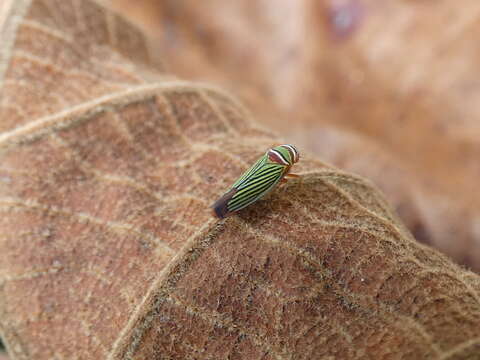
(250, 172)
(255, 183)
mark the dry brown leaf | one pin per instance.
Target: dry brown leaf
(400, 73)
(107, 168)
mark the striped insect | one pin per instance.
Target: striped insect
(257, 181)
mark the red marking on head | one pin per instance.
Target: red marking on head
(275, 157)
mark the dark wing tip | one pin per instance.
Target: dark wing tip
(220, 207)
(219, 210)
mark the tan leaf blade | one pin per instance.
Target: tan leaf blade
(108, 166)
